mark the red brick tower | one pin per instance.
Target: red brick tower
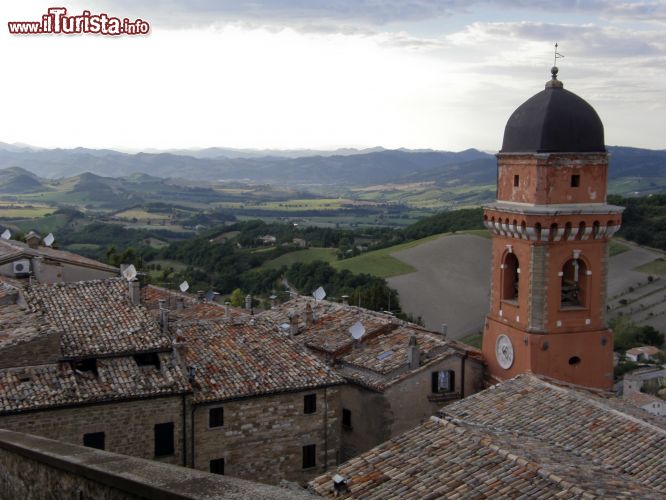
(550, 231)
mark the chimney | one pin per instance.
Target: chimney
(293, 323)
(227, 310)
(345, 300)
(248, 302)
(413, 353)
(164, 315)
(200, 296)
(134, 292)
(33, 239)
(180, 303)
(445, 329)
(309, 315)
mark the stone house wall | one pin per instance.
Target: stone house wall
(262, 438)
(377, 417)
(128, 426)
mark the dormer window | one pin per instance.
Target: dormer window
(86, 367)
(150, 359)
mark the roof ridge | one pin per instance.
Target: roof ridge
(608, 408)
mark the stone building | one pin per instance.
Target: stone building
(527, 437)
(262, 408)
(551, 228)
(88, 363)
(48, 265)
(397, 373)
(81, 364)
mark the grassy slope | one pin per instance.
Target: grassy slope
(380, 262)
(657, 266)
(617, 248)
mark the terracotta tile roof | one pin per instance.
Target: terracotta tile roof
(95, 318)
(641, 399)
(379, 359)
(234, 360)
(523, 438)
(36, 387)
(18, 326)
(192, 308)
(382, 361)
(646, 350)
(12, 249)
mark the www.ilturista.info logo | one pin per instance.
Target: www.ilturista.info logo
(56, 21)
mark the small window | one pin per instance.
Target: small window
(86, 366)
(516, 180)
(217, 466)
(346, 418)
(310, 403)
(164, 439)
(309, 456)
(216, 417)
(574, 360)
(442, 381)
(94, 440)
(148, 359)
(575, 181)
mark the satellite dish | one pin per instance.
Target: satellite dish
(184, 286)
(48, 241)
(6, 235)
(319, 294)
(357, 330)
(129, 273)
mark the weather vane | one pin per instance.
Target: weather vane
(557, 55)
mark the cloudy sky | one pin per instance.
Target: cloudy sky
(442, 74)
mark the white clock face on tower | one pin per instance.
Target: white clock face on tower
(504, 351)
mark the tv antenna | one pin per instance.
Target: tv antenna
(7, 234)
(319, 294)
(184, 286)
(130, 273)
(357, 330)
(48, 241)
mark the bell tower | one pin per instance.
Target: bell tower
(550, 230)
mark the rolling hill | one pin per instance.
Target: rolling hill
(16, 180)
(632, 170)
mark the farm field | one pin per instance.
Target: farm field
(137, 213)
(21, 210)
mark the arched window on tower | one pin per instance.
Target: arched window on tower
(574, 284)
(510, 277)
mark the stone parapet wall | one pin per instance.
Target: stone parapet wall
(32, 467)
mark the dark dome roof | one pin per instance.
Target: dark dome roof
(554, 120)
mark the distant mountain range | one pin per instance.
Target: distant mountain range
(631, 169)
